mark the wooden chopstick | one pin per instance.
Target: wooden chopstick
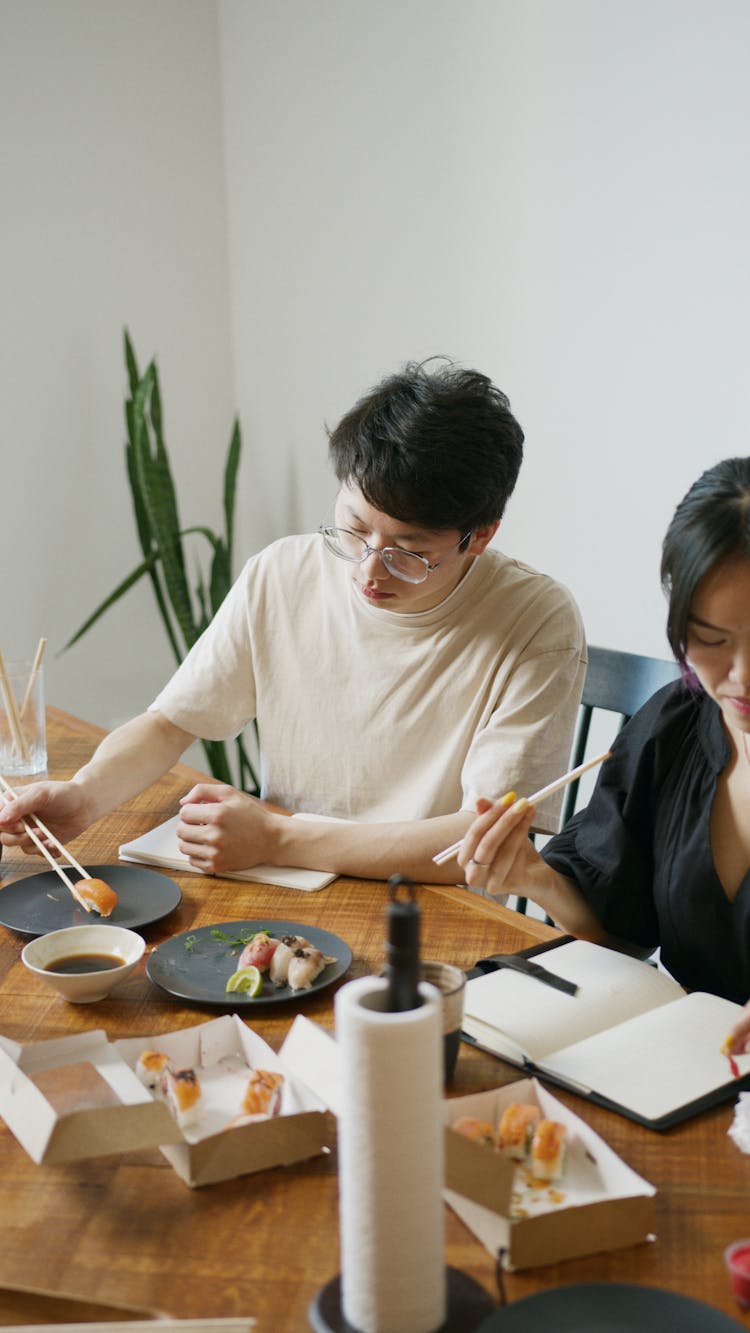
(11, 708)
(551, 787)
(72, 863)
(34, 673)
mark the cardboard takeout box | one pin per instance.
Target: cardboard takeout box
(79, 1097)
(599, 1203)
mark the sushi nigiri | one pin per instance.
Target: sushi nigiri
(258, 952)
(481, 1131)
(305, 965)
(95, 895)
(282, 955)
(263, 1093)
(151, 1067)
(182, 1090)
(548, 1150)
(516, 1130)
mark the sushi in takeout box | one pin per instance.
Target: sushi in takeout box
(598, 1202)
(79, 1097)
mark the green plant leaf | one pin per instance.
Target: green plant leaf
(115, 596)
(220, 576)
(131, 364)
(248, 777)
(218, 761)
(155, 509)
(154, 479)
(145, 538)
(230, 488)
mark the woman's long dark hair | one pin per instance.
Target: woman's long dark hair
(710, 525)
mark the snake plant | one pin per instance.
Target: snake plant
(185, 613)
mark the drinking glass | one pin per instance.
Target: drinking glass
(23, 738)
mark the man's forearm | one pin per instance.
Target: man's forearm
(373, 851)
(128, 760)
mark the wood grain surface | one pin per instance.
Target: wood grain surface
(125, 1229)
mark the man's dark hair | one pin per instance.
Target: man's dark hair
(432, 445)
(710, 525)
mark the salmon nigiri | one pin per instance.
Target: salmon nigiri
(95, 895)
(182, 1090)
(263, 1093)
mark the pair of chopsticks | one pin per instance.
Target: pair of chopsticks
(551, 787)
(15, 714)
(72, 863)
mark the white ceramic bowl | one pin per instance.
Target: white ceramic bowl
(84, 987)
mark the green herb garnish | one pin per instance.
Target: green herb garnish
(235, 942)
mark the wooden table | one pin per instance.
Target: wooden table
(127, 1229)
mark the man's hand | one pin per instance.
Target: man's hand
(60, 805)
(223, 829)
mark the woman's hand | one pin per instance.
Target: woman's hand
(738, 1040)
(222, 829)
(497, 853)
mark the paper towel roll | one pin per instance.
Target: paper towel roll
(390, 1143)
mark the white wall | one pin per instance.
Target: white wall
(113, 213)
(551, 190)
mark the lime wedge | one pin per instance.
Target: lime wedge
(248, 981)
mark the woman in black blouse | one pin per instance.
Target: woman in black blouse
(661, 855)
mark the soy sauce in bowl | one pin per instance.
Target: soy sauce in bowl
(76, 963)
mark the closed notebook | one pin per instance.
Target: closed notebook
(159, 847)
(631, 1039)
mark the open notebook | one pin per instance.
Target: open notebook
(159, 847)
(631, 1039)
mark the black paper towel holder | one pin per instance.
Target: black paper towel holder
(467, 1304)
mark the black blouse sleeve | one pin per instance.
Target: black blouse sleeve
(608, 848)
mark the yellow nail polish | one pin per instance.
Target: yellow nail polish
(508, 799)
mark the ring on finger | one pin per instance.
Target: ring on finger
(482, 865)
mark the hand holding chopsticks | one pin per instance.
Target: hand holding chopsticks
(89, 897)
(441, 857)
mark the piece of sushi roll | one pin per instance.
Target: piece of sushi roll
(548, 1148)
(151, 1067)
(480, 1131)
(283, 953)
(258, 952)
(95, 895)
(182, 1090)
(516, 1130)
(263, 1093)
(305, 966)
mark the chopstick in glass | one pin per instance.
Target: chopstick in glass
(441, 857)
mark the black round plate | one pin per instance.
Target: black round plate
(41, 903)
(200, 971)
(607, 1307)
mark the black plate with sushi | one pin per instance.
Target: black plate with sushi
(197, 964)
(41, 903)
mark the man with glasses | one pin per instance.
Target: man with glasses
(397, 666)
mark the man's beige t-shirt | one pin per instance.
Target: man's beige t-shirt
(369, 714)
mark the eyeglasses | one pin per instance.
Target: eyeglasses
(406, 565)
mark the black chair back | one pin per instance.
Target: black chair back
(616, 682)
